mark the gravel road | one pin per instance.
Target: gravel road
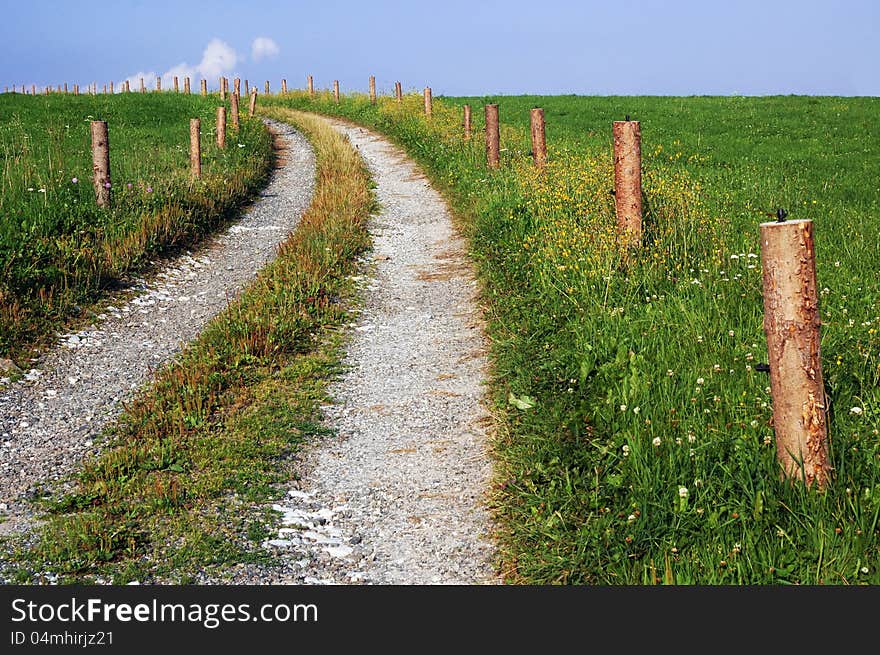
(398, 495)
(50, 418)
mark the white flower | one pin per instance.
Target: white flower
(700, 380)
(623, 408)
(636, 410)
(692, 438)
(630, 518)
(625, 450)
(682, 492)
(856, 410)
(656, 441)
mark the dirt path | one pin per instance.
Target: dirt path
(48, 420)
(399, 495)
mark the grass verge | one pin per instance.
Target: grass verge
(179, 485)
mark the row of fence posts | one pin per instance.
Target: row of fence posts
(791, 316)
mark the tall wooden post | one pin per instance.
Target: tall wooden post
(101, 162)
(143, 86)
(204, 87)
(158, 84)
(398, 92)
(111, 87)
(791, 325)
(466, 122)
(283, 87)
(186, 85)
(336, 91)
(236, 87)
(65, 87)
(247, 89)
(33, 89)
(127, 87)
(221, 126)
(628, 179)
(429, 103)
(267, 87)
(372, 89)
(233, 110)
(76, 89)
(539, 143)
(222, 87)
(195, 147)
(493, 140)
(310, 82)
(252, 107)
(176, 85)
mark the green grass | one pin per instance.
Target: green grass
(58, 250)
(183, 480)
(617, 358)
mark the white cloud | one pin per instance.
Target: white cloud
(217, 58)
(263, 48)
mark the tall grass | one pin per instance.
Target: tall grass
(58, 250)
(644, 451)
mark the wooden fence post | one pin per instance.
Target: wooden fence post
(236, 87)
(33, 89)
(247, 89)
(310, 82)
(186, 85)
(398, 92)
(176, 85)
(158, 83)
(539, 143)
(204, 87)
(336, 91)
(65, 88)
(76, 89)
(221, 88)
(791, 325)
(628, 179)
(127, 87)
(233, 110)
(101, 162)
(267, 87)
(111, 87)
(253, 104)
(221, 126)
(143, 86)
(372, 89)
(283, 87)
(429, 103)
(493, 140)
(195, 147)
(466, 122)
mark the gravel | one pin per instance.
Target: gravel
(398, 495)
(50, 418)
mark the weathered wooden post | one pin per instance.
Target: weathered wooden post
(372, 89)
(158, 83)
(236, 87)
(493, 141)
(127, 87)
(233, 110)
(48, 89)
(310, 83)
(336, 91)
(429, 103)
(143, 86)
(76, 89)
(186, 85)
(247, 89)
(101, 162)
(111, 87)
(466, 122)
(221, 87)
(267, 87)
(791, 325)
(65, 88)
(628, 179)
(252, 107)
(539, 143)
(195, 147)
(398, 92)
(33, 89)
(176, 85)
(221, 126)
(204, 87)
(283, 87)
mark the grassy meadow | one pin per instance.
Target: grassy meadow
(58, 250)
(635, 443)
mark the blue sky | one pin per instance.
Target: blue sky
(616, 47)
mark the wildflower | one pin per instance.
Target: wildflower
(149, 189)
(856, 410)
(737, 548)
(669, 372)
(683, 492)
(241, 145)
(623, 408)
(625, 450)
(656, 442)
(730, 333)
(106, 185)
(864, 569)
(74, 180)
(42, 190)
(754, 424)
(636, 410)
(30, 188)
(767, 439)
(128, 185)
(630, 518)
(692, 437)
